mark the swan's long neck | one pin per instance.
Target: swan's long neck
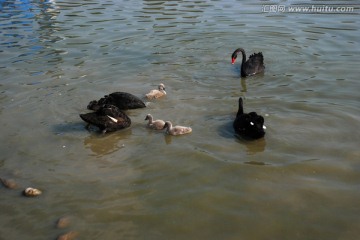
(234, 56)
(169, 126)
(150, 119)
(243, 57)
(241, 109)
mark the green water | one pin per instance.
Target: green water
(300, 182)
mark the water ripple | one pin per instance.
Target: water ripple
(58, 55)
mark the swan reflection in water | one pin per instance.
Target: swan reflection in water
(104, 144)
(254, 146)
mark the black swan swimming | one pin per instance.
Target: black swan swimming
(254, 65)
(107, 118)
(248, 125)
(121, 100)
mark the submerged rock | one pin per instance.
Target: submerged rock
(8, 183)
(63, 222)
(68, 236)
(31, 192)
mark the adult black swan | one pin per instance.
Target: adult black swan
(121, 100)
(107, 118)
(254, 65)
(248, 125)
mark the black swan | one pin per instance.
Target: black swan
(254, 65)
(121, 100)
(107, 118)
(248, 125)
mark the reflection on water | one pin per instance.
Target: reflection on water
(32, 27)
(299, 182)
(103, 144)
(253, 147)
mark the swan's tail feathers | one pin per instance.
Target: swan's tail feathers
(257, 57)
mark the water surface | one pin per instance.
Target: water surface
(299, 182)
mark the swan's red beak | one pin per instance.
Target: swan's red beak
(233, 60)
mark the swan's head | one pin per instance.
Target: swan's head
(235, 53)
(234, 56)
(148, 117)
(233, 60)
(167, 124)
(93, 105)
(161, 86)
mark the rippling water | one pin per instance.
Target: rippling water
(300, 182)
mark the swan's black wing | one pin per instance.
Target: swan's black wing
(125, 101)
(255, 64)
(108, 119)
(99, 121)
(96, 105)
(122, 100)
(248, 125)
